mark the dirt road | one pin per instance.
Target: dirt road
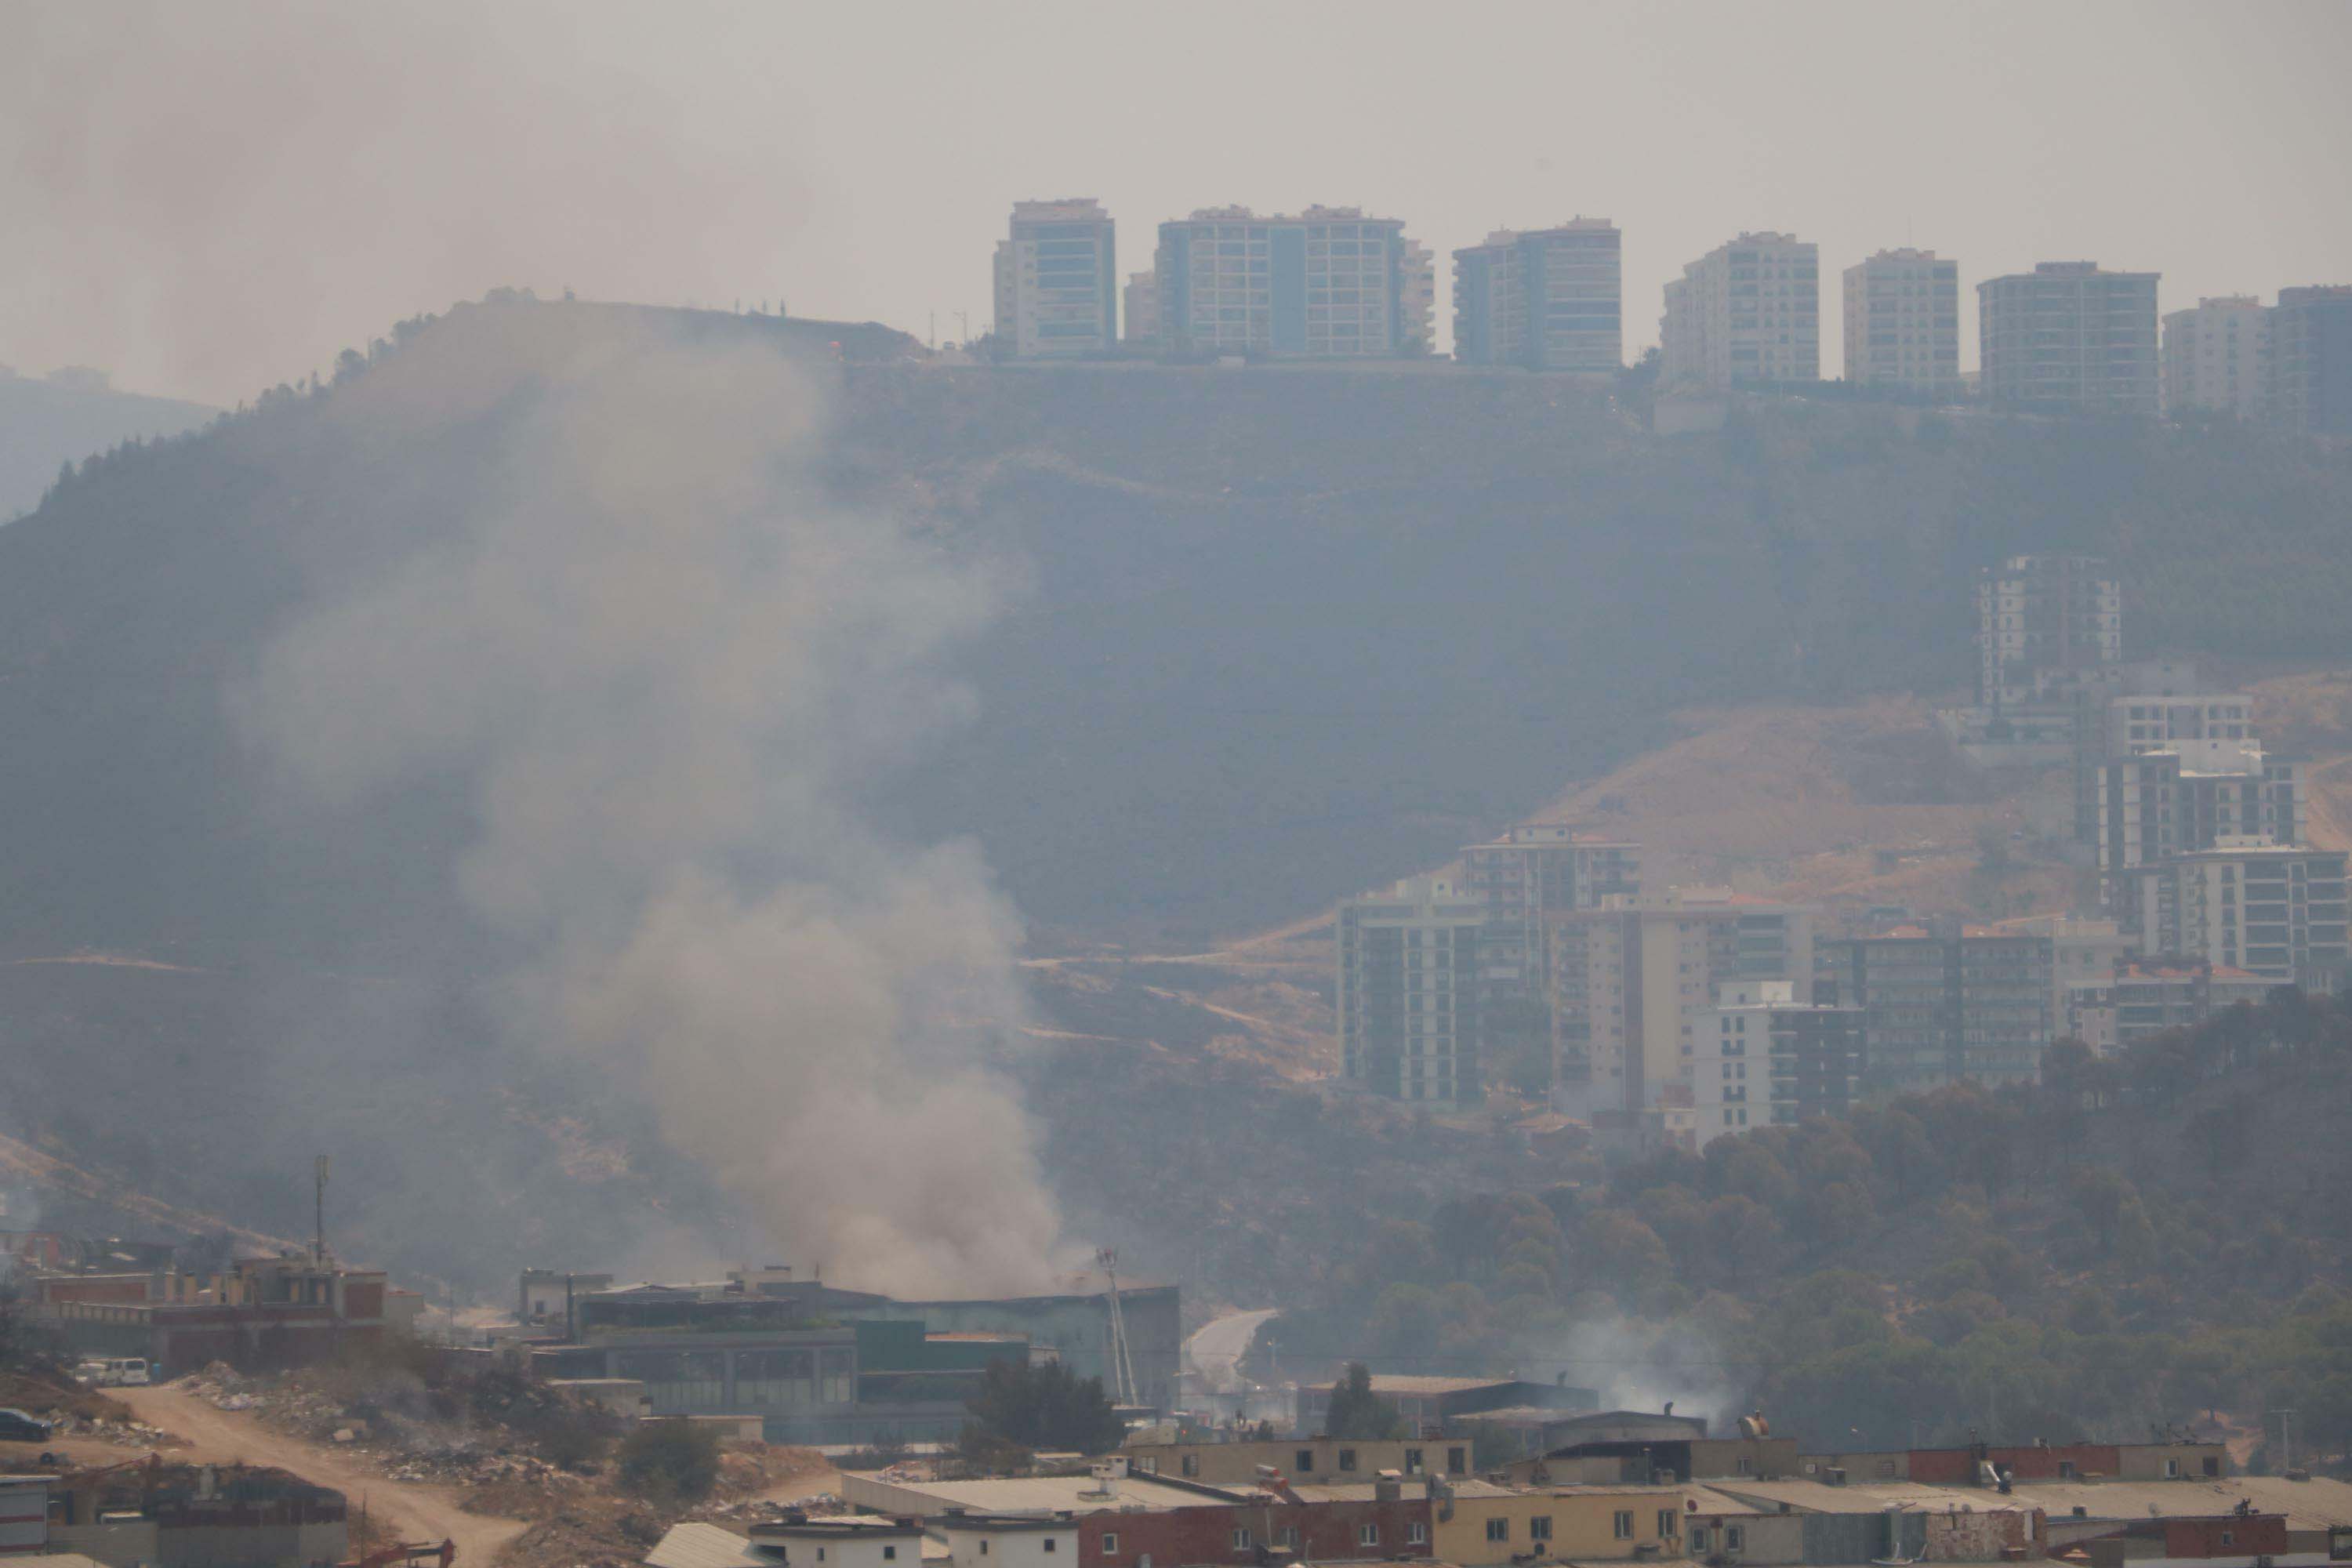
(220, 1437)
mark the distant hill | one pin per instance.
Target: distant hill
(47, 422)
(1275, 636)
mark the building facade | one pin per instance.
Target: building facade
(2276, 911)
(2310, 359)
(1057, 281)
(2069, 338)
(1626, 984)
(2043, 620)
(2195, 795)
(1408, 992)
(1327, 283)
(1746, 313)
(1550, 298)
(1903, 323)
(1966, 1006)
(1142, 301)
(2217, 358)
(1765, 1059)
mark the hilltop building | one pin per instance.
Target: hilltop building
(2195, 795)
(2069, 338)
(2310, 359)
(1968, 1005)
(1550, 298)
(1055, 282)
(1746, 313)
(2276, 910)
(1327, 283)
(1626, 981)
(1142, 298)
(2217, 358)
(1903, 323)
(1532, 870)
(264, 1315)
(1408, 991)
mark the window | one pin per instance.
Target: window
(1457, 1461)
(1368, 1535)
(1413, 1461)
(1192, 1464)
(2172, 1472)
(984, 1548)
(1287, 1536)
(1620, 1524)
(1049, 1543)
(1346, 1459)
(1306, 1465)
(1697, 1539)
(1241, 1541)
(1417, 1533)
(889, 1554)
(1735, 1536)
(1110, 1543)
(2228, 1538)
(1539, 1528)
(1669, 1521)
(1747, 1465)
(1498, 1530)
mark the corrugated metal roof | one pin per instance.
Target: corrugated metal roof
(2315, 1504)
(705, 1546)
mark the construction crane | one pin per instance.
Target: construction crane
(1122, 1367)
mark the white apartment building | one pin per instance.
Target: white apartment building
(1056, 283)
(2069, 337)
(1903, 323)
(2195, 795)
(1747, 313)
(1408, 986)
(2276, 910)
(1761, 1058)
(2217, 358)
(2151, 723)
(1327, 283)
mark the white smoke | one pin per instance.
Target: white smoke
(670, 668)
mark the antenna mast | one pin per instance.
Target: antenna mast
(1122, 1368)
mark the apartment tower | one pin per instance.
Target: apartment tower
(2217, 358)
(2310, 359)
(2068, 338)
(1056, 285)
(1550, 298)
(1903, 323)
(1328, 283)
(1408, 989)
(1746, 313)
(2043, 620)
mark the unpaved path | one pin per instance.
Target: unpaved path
(221, 1436)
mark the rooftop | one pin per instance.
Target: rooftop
(1032, 1494)
(705, 1546)
(1387, 1383)
(1858, 1496)
(2319, 1503)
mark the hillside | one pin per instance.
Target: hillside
(45, 423)
(1263, 639)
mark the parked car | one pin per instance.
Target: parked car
(15, 1426)
(90, 1374)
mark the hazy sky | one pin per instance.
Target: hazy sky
(209, 198)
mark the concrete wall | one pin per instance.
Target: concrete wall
(1325, 1460)
(1860, 1536)
(1762, 1537)
(125, 1544)
(253, 1546)
(1582, 1526)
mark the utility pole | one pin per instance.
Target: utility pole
(2286, 1436)
(319, 1213)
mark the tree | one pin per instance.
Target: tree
(25, 1343)
(1044, 1407)
(1357, 1412)
(671, 1462)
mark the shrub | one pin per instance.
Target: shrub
(671, 1462)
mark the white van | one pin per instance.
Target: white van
(124, 1371)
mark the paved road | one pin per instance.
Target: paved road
(222, 1436)
(1215, 1351)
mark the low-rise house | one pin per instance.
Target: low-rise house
(840, 1541)
(1643, 1447)
(154, 1515)
(1387, 1518)
(1298, 1460)
(1847, 1522)
(1492, 1525)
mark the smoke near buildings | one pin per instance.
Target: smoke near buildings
(666, 668)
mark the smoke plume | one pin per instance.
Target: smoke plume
(667, 668)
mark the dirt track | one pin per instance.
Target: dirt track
(221, 1436)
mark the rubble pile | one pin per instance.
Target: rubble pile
(123, 1432)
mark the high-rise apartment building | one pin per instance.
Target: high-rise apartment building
(1408, 988)
(2310, 359)
(2276, 911)
(2041, 622)
(1328, 283)
(2194, 795)
(2217, 358)
(1142, 301)
(1903, 323)
(1746, 313)
(1534, 869)
(1056, 283)
(1549, 299)
(2067, 338)
(1763, 1059)
(1972, 1006)
(1625, 980)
